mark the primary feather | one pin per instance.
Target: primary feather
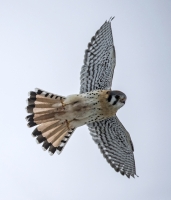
(56, 117)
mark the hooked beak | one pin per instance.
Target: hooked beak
(123, 100)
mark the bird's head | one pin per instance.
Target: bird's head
(116, 98)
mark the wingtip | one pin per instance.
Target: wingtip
(128, 176)
(122, 172)
(132, 175)
(111, 18)
(116, 168)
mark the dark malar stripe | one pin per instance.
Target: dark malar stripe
(115, 102)
(109, 98)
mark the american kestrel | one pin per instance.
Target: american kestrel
(57, 116)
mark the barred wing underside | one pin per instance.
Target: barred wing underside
(99, 61)
(115, 144)
(97, 73)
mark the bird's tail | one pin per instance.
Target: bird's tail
(54, 133)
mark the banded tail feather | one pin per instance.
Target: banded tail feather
(52, 132)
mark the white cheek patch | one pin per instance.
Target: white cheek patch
(112, 100)
(119, 105)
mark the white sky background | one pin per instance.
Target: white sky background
(42, 44)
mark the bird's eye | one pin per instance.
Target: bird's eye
(117, 97)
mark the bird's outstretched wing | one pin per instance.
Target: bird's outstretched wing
(115, 144)
(97, 73)
(99, 61)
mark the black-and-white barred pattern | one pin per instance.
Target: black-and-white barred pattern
(64, 141)
(115, 144)
(99, 61)
(39, 134)
(97, 73)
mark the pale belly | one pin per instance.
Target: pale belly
(87, 107)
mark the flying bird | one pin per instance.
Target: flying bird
(57, 117)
